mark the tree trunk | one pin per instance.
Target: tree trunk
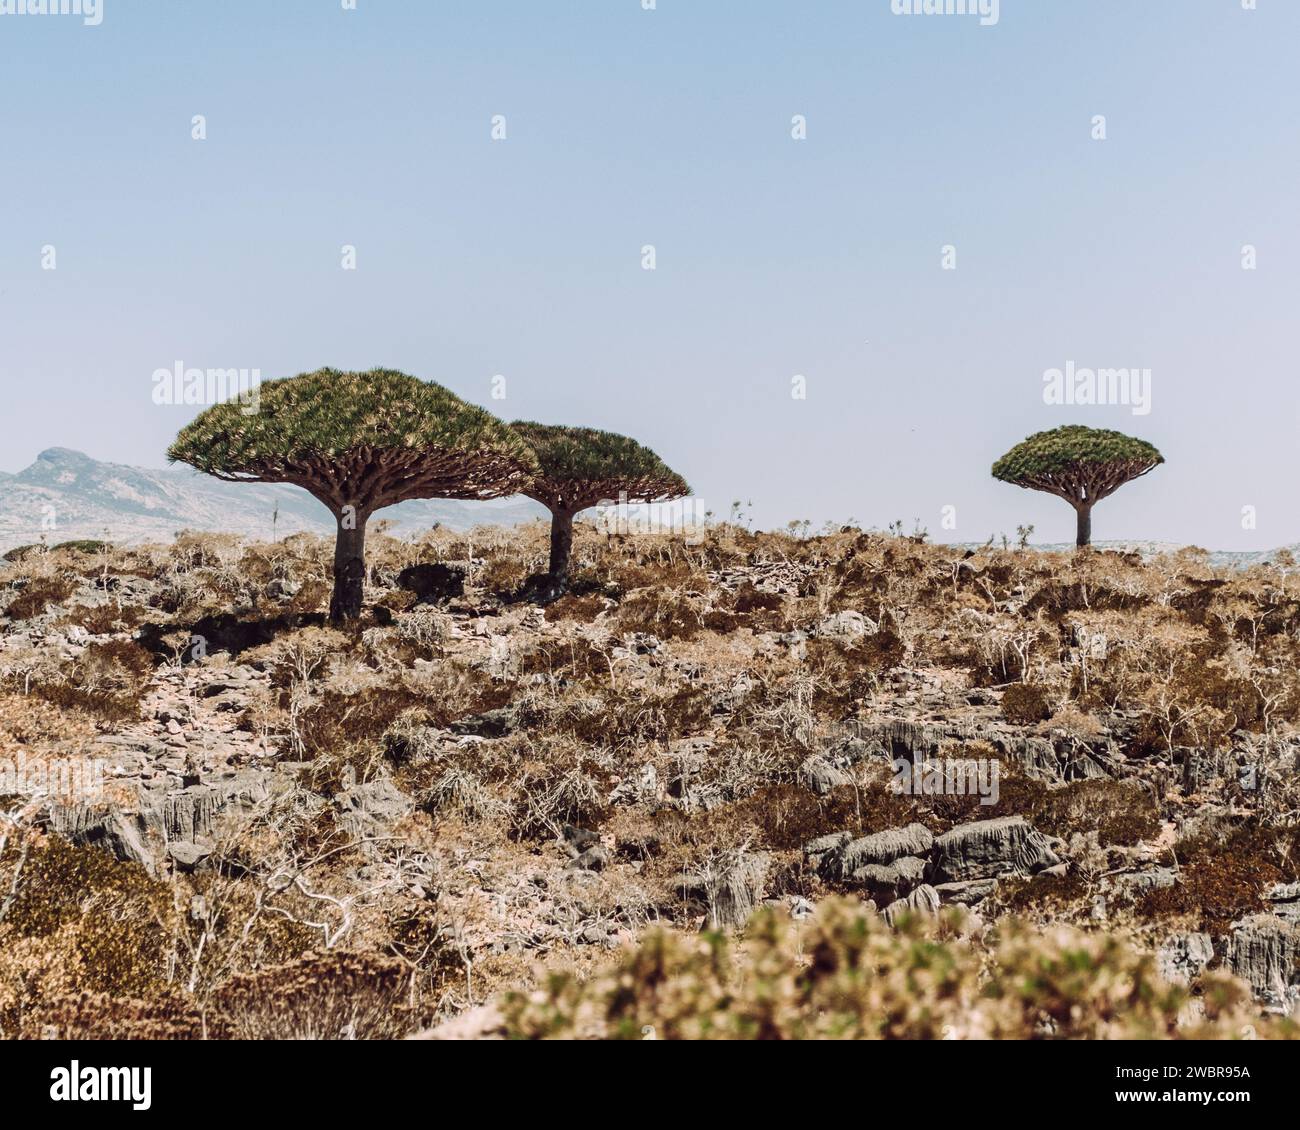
(561, 547)
(1084, 536)
(349, 569)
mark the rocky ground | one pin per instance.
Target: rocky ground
(463, 789)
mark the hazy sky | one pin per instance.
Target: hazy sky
(775, 257)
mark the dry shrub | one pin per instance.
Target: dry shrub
(1222, 880)
(575, 659)
(503, 575)
(103, 619)
(1024, 704)
(336, 996)
(788, 815)
(631, 715)
(106, 681)
(580, 609)
(97, 1016)
(334, 721)
(669, 614)
(86, 922)
(37, 595)
(1120, 812)
(548, 796)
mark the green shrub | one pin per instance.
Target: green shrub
(848, 975)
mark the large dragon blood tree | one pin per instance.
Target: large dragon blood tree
(1081, 465)
(580, 467)
(358, 442)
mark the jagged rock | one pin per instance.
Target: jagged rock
(821, 852)
(730, 892)
(191, 813)
(107, 827)
(1051, 759)
(923, 900)
(885, 847)
(643, 786)
(1133, 884)
(638, 643)
(490, 724)
(187, 855)
(839, 855)
(967, 893)
(373, 807)
(688, 757)
(988, 849)
(1264, 951)
(598, 935)
(282, 588)
(846, 625)
(595, 858)
(1183, 957)
(579, 840)
(1285, 898)
(821, 776)
(891, 879)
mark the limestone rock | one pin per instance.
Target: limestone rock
(1264, 951)
(821, 776)
(885, 847)
(988, 849)
(1183, 957)
(923, 900)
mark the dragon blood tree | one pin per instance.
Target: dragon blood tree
(581, 467)
(1081, 465)
(358, 442)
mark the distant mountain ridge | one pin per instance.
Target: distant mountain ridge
(66, 495)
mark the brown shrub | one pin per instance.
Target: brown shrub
(98, 1016)
(1120, 812)
(102, 619)
(37, 595)
(1223, 880)
(97, 917)
(1024, 704)
(789, 815)
(336, 996)
(580, 609)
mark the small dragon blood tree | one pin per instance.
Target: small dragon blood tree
(358, 442)
(580, 467)
(1081, 465)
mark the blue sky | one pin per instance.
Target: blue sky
(775, 257)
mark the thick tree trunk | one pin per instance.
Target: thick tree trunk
(349, 569)
(561, 547)
(1084, 536)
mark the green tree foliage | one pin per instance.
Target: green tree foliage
(1081, 465)
(581, 467)
(358, 442)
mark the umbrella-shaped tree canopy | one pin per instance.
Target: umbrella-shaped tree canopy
(1079, 464)
(358, 442)
(580, 467)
